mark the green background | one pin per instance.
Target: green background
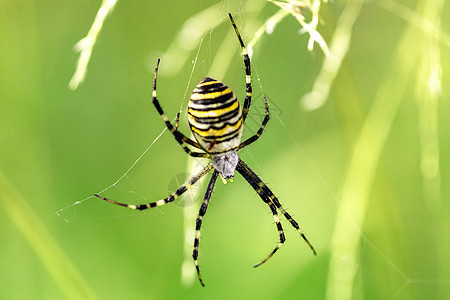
(59, 146)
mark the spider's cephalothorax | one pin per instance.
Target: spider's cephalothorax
(216, 121)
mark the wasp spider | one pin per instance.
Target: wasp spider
(216, 121)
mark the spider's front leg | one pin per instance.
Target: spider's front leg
(268, 197)
(245, 171)
(198, 223)
(179, 137)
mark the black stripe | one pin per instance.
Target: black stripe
(247, 65)
(158, 107)
(221, 139)
(213, 100)
(214, 120)
(181, 190)
(228, 104)
(215, 87)
(207, 79)
(216, 127)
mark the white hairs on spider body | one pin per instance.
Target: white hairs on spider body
(226, 164)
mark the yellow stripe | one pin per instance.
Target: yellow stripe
(218, 123)
(218, 132)
(213, 112)
(213, 95)
(207, 83)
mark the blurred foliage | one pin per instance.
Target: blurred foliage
(60, 146)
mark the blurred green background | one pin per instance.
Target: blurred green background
(371, 165)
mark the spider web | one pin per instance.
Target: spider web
(130, 189)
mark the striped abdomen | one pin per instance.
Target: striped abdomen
(215, 117)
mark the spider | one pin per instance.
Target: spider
(216, 121)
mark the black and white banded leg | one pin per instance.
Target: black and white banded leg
(179, 137)
(266, 194)
(198, 223)
(288, 216)
(248, 73)
(171, 198)
(246, 172)
(260, 130)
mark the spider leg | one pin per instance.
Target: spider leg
(248, 73)
(177, 120)
(263, 190)
(181, 138)
(171, 198)
(260, 130)
(198, 223)
(280, 231)
(185, 139)
(245, 171)
(289, 218)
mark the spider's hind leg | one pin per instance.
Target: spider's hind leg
(260, 130)
(248, 73)
(179, 137)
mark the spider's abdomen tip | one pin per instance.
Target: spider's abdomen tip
(207, 79)
(210, 85)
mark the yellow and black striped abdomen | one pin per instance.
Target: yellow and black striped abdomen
(215, 117)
